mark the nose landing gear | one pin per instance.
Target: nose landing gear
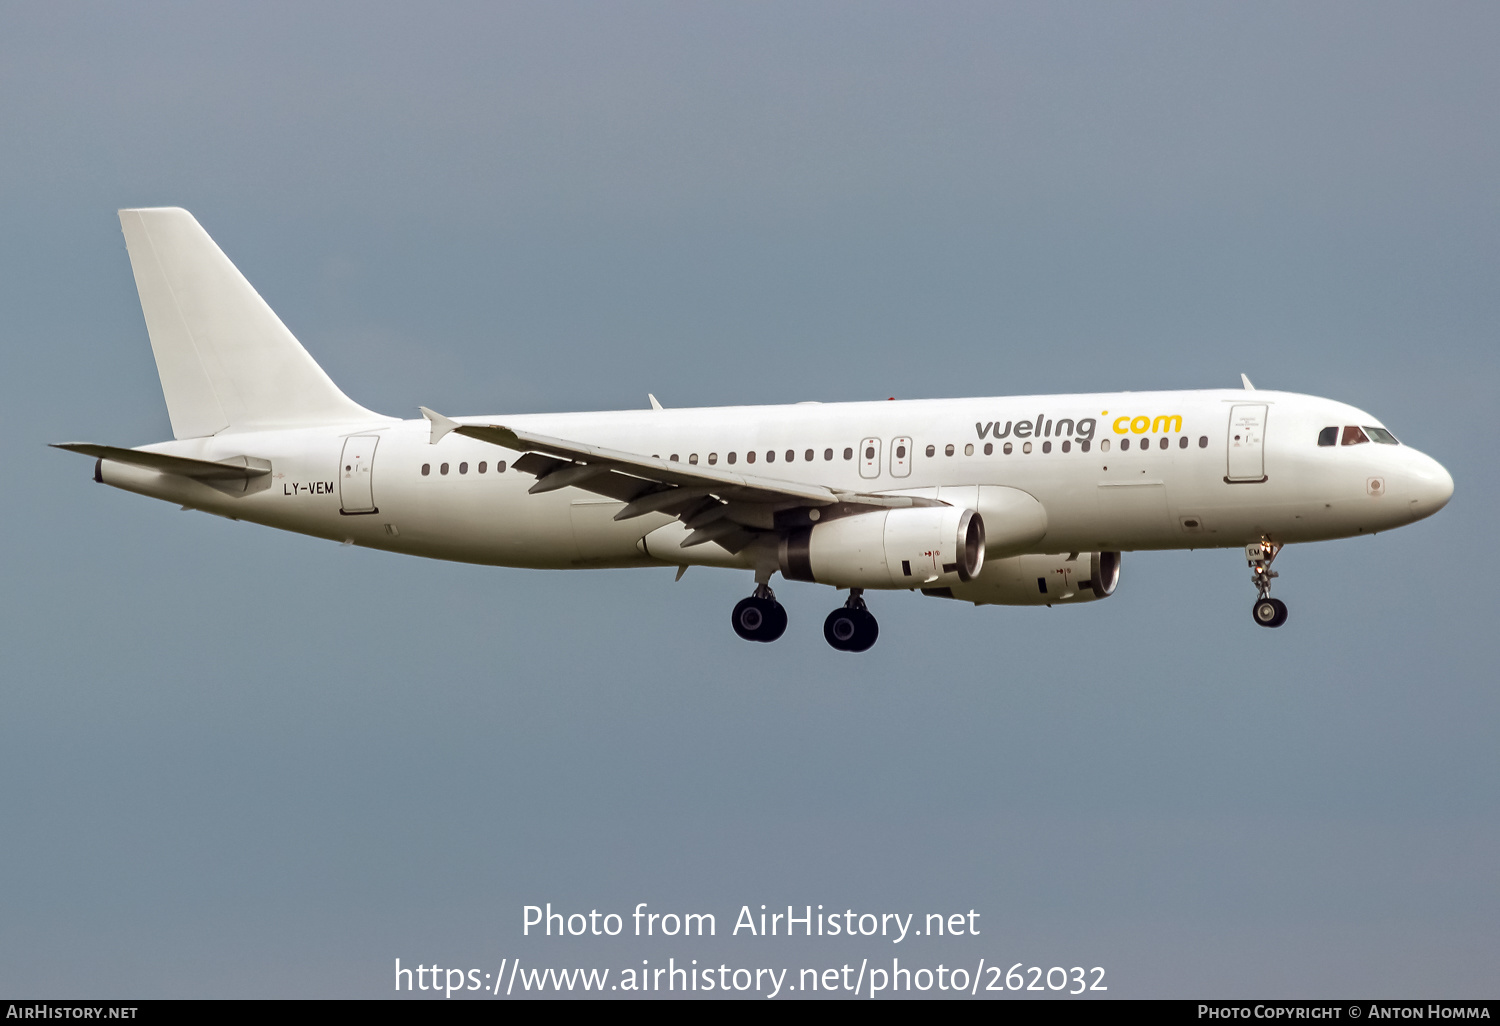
(851, 628)
(1267, 612)
(759, 617)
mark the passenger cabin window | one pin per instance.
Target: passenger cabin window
(932, 450)
(1353, 435)
(1381, 435)
(463, 468)
(426, 469)
(1329, 436)
(483, 465)
(827, 454)
(848, 453)
(808, 455)
(989, 448)
(692, 459)
(1009, 448)
(713, 458)
(731, 457)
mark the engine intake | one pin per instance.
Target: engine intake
(914, 547)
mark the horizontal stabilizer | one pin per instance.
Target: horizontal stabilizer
(240, 468)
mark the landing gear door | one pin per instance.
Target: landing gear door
(356, 468)
(900, 457)
(1247, 444)
(869, 457)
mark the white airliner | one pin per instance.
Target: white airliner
(1021, 500)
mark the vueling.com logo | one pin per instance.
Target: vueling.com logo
(1142, 425)
(1083, 428)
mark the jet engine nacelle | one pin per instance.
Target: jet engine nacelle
(1068, 577)
(912, 547)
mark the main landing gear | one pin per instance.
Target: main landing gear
(851, 628)
(760, 617)
(1267, 612)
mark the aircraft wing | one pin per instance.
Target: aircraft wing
(718, 504)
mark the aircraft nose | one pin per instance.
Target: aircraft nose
(1431, 486)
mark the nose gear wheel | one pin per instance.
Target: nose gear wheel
(1269, 612)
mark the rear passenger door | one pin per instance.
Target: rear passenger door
(356, 489)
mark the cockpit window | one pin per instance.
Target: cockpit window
(1328, 436)
(1353, 435)
(1381, 435)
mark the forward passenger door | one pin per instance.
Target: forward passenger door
(1247, 444)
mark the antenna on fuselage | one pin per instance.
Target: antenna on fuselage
(1246, 379)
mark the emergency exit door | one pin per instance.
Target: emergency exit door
(869, 457)
(900, 457)
(1247, 444)
(356, 469)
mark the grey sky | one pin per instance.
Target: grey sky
(236, 762)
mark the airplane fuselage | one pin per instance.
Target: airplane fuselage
(1113, 471)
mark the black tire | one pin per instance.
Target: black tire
(775, 622)
(748, 618)
(1269, 612)
(842, 628)
(850, 630)
(759, 619)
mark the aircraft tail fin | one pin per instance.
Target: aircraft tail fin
(226, 361)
